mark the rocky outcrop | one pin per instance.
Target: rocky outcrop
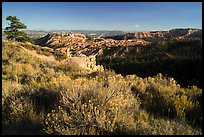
(185, 34)
(141, 35)
(79, 45)
(151, 34)
(59, 40)
(159, 33)
(86, 63)
(172, 34)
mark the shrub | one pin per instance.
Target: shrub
(40, 95)
(91, 109)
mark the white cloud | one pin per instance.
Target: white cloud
(136, 25)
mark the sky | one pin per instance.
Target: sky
(124, 16)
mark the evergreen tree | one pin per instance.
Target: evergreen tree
(12, 32)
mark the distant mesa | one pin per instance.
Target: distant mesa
(184, 34)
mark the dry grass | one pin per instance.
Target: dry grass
(44, 98)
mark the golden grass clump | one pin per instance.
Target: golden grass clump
(93, 105)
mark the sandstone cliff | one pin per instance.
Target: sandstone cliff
(74, 44)
(189, 33)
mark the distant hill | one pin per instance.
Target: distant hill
(40, 33)
(173, 34)
(183, 34)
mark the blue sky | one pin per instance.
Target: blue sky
(125, 16)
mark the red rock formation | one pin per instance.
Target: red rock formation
(78, 43)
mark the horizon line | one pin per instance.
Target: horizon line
(109, 30)
(105, 30)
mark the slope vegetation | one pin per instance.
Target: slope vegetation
(181, 60)
(44, 97)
